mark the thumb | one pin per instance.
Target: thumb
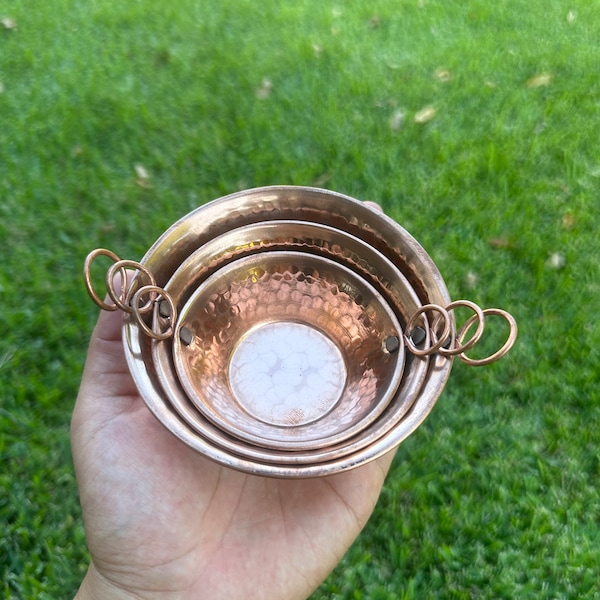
(107, 387)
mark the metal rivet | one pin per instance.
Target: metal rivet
(186, 336)
(418, 335)
(392, 344)
(164, 309)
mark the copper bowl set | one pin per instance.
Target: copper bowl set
(289, 331)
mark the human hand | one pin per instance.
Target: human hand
(164, 522)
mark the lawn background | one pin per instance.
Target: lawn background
(117, 118)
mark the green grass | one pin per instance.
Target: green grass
(496, 495)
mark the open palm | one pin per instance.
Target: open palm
(164, 522)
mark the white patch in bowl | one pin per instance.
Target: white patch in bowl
(287, 374)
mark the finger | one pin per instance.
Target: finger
(108, 327)
(385, 461)
(105, 353)
(106, 372)
(373, 205)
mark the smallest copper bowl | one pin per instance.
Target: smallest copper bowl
(288, 350)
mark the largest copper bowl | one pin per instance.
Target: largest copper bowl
(303, 204)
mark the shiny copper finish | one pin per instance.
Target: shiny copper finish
(311, 205)
(253, 298)
(442, 337)
(123, 303)
(159, 294)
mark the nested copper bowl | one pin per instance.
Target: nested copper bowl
(276, 290)
(258, 238)
(289, 351)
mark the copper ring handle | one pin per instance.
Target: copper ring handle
(137, 311)
(87, 267)
(119, 300)
(457, 347)
(443, 337)
(460, 348)
(512, 336)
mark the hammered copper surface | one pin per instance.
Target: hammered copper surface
(313, 205)
(301, 288)
(303, 204)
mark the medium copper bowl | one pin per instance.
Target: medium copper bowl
(311, 237)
